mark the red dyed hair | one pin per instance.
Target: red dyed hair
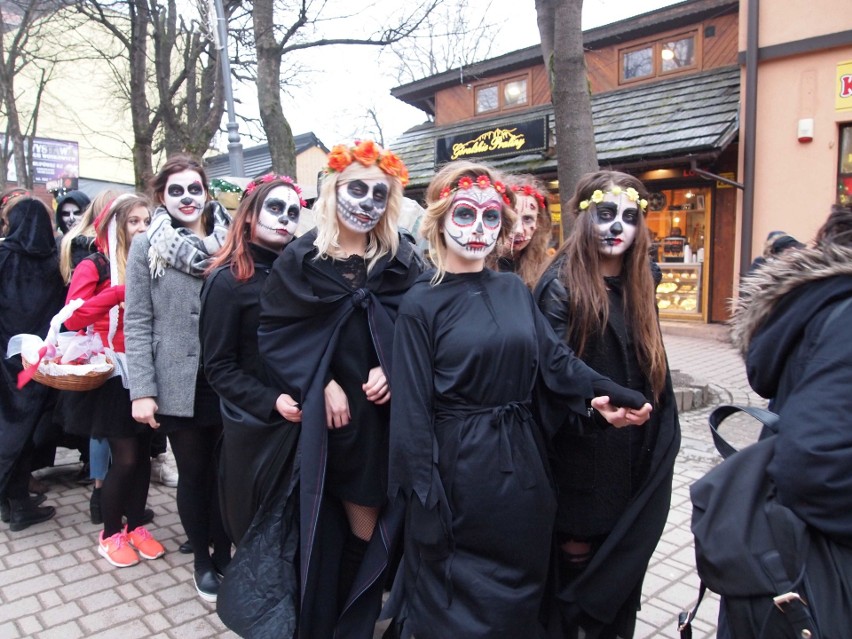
(235, 251)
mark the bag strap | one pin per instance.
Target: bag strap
(721, 413)
(685, 619)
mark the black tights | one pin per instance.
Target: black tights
(198, 495)
(125, 488)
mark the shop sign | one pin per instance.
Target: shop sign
(496, 142)
(843, 91)
(52, 161)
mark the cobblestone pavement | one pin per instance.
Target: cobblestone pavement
(53, 583)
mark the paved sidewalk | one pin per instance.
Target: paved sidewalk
(53, 583)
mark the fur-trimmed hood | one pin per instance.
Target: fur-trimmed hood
(762, 291)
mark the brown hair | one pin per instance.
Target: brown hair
(437, 207)
(837, 229)
(236, 249)
(581, 273)
(531, 262)
(177, 164)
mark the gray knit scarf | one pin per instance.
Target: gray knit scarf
(180, 248)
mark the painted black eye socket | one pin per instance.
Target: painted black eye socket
(175, 190)
(293, 212)
(630, 216)
(380, 193)
(195, 189)
(357, 189)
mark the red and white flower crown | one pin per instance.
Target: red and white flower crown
(481, 182)
(270, 177)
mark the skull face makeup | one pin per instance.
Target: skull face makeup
(361, 203)
(184, 196)
(527, 209)
(70, 214)
(472, 225)
(615, 219)
(277, 221)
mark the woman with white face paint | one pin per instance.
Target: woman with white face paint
(614, 484)
(326, 333)
(165, 271)
(264, 224)
(467, 454)
(525, 252)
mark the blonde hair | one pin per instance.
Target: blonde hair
(85, 228)
(437, 208)
(381, 240)
(119, 209)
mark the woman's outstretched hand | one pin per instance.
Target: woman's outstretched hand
(621, 417)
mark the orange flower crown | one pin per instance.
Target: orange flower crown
(481, 182)
(367, 153)
(530, 190)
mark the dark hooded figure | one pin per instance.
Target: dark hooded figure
(792, 325)
(69, 210)
(31, 293)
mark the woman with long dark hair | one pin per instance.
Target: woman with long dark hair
(165, 271)
(614, 484)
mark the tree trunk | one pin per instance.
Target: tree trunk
(279, 136)
(559, 23)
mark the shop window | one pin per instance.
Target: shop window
(668, 55)
(507, 94)
(844, 173)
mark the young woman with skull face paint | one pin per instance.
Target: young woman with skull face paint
(614, 484)
(264, 224)
(467, 453)
(165, 271)
(326, 335)
(525, 252)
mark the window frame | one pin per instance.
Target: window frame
(844, 193)
(656, 46)
(501, 90)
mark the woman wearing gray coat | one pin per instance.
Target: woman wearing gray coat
(164, 275)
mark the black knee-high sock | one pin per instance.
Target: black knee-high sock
(353, 554)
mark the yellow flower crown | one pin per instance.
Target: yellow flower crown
(631, 193)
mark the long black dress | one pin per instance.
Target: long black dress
(313, 322)
(31, 293)
(469, 456)
(614, 485)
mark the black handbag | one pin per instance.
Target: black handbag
(778, 577)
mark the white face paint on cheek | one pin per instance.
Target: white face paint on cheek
(472, 225)
(278, 218)
(185, 196)
(527, 209)
(615, 220)
(361, 203)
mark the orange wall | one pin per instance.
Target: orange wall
(795, 183)
(791, 20)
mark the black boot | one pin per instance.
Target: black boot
(25, 513)
(95, 507)
(6, 508)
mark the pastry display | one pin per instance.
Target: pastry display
(680, 289)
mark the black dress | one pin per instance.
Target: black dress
(469, 456)
(614, 484)
(311, 316)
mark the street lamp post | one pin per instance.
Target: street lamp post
(220, 33)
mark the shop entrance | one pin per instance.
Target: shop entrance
(680, 221)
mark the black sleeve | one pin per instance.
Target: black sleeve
(552, 299)
(220, 325)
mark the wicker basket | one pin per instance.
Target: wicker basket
(86, 382)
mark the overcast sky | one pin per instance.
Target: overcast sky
(330, 104)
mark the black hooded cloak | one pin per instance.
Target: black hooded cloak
(79, 198)
(305, 307)
(31, 293)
